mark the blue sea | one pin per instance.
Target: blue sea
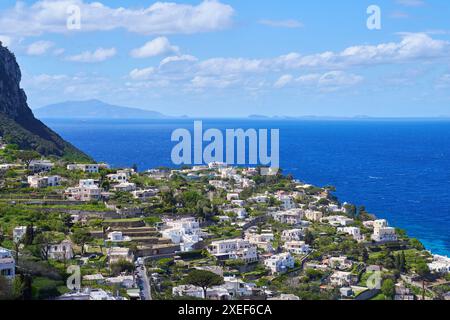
(399, 170)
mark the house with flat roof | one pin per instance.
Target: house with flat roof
(7, 264)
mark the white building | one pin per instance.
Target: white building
(41, 166)
(144, 194)
(355, 232)
(117, 236)
(341, 279)
(341, 263)
(118, 177)
(19, 233)
(440, 264)
(234, 249)
(89, 168)
(61, 251)
(37, 181)
(292, 235)
(125, 187)
(313, 215)
(280, 263)
(336, 221)
(87, 190)
(116, 254)
(7, 264)
(291, 217)
(382, 232)
(287, 202)
(297, 247)
(185, 232)
(262, 241)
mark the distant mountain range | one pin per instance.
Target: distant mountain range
(93, 109)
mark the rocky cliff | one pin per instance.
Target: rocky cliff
(17, 122)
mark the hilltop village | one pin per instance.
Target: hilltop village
(207, 232)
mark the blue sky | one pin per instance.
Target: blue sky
(235, 58)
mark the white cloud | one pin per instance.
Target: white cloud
(39, 48)
(5, 40)
(332, 80)
(50, 16)
(290, 23)
(156, 47)
(171, 59)
(200, 82)
(142, 74)
(98, 55)
(283, 81)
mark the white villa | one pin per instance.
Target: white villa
(234, 249)
(144, 193)
(440, 264)
(87, 190)
(89, 168)
(382, 232)
(125, 187)
(37, 181)
(185, 232)
(61, 251)
(336, 221)
(313, 215)
(287, 202)
(7, 264)
(262, 241)
(341, 263)
(355, 232)
(280, 263)
(117, 236)
(341, 279)
(297, 247)
(292, 235)
(291, 217)
(41, 166)
(118, 177)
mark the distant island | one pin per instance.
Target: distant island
(93, 109)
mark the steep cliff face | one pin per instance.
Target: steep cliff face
(17, 122)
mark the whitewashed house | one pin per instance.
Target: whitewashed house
(37, 181)
(7, 264)
(290, 217)
(88, 168)
(292, 235)
(382, 232)
(297, 247)
(234, 249)
(440, 264)
(185, 232)
(61, 251)
(280, 263)
(355, 232)
(342, 279)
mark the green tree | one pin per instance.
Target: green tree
(423, 271)
(26, 156)
(81, 236)
(203, 279)
(388, 289)
(122, 266)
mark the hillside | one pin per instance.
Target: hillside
(17, 122)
